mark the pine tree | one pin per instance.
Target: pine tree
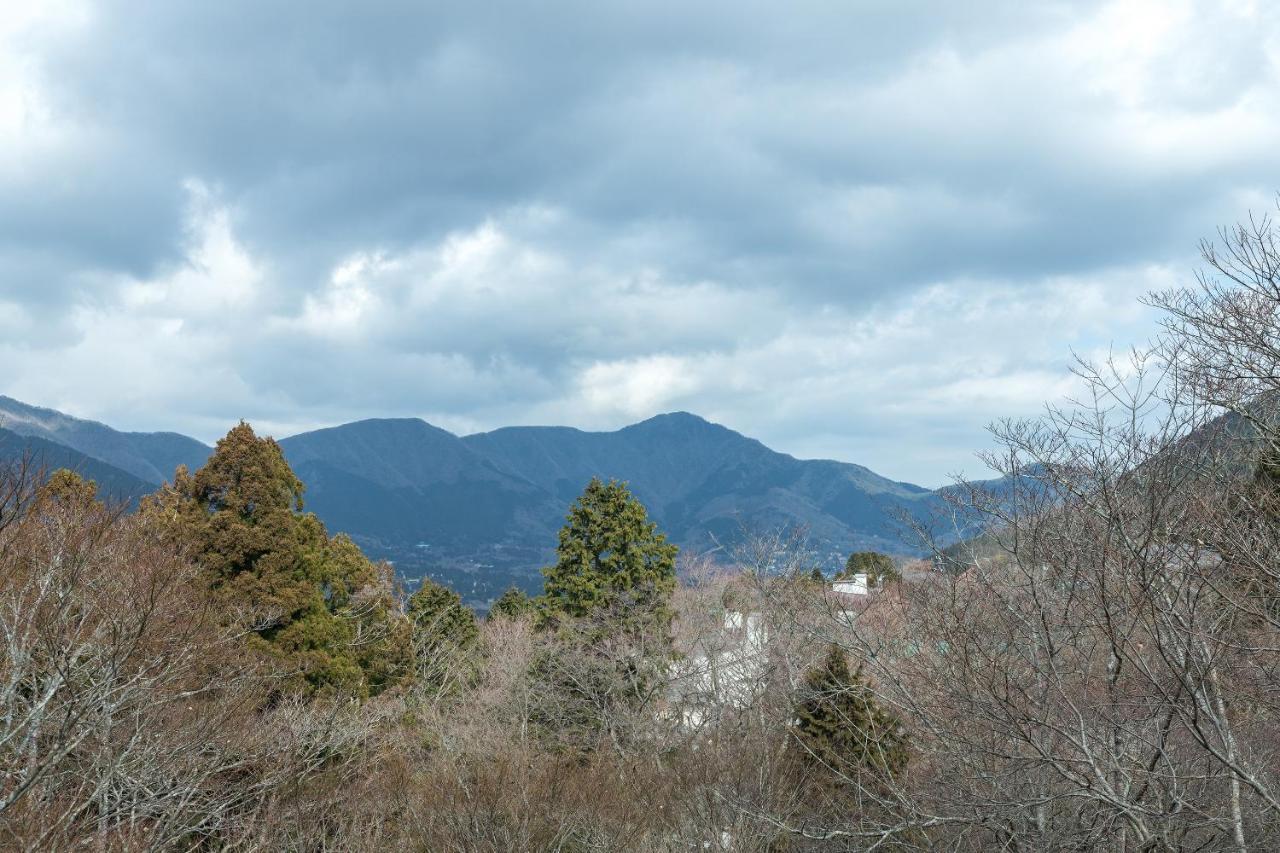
(610, 556)
(314, 602)
(841, 727)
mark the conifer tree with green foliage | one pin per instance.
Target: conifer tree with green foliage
(314, 602)
(68, 488)
(512, 604)
(879, 568)
(610, 555)
(608, 596)
(445, 633)
(841, 728)
(438, 613)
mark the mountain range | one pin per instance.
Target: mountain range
(151, 457)
(481, 511)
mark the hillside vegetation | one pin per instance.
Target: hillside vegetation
(220, 670)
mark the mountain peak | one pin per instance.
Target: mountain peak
(682, 421)
(395, 452)
(397, 426)
(679, 415)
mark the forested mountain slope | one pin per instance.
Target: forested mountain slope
(150, 456)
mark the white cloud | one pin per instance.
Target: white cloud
(635, 388)
(27, 119)
(216, 276)
(858, 233)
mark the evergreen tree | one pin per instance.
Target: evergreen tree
(313, 601)
(608, 596)
(512, 604)
(840, 726)
(610, 556)
(67, 488)
(438, 613)
(445, 634)
(879, 568)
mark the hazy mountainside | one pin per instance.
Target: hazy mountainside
(48, 456)
(482, 511)
(700, 479)
(149, 456)
(663, 458)
(405, 482)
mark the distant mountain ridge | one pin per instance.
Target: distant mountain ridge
(484, 509)
(477, 508)
(700, 479)
(42, 455)
(399, 482)
(149, 456)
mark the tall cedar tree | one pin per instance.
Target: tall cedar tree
(840, 727)
(610, 556)
(314, 602)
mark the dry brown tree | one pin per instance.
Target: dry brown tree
(131, 716)
(1103, 674)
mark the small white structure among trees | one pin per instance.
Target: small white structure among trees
(852, 585)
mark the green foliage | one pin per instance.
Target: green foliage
(817, 576)
(610, 554)
(608, 595)
(445, 635)
(315, 602)
(67, 488)
(879, 568)
(512, 604)
(438, 614)
(840, 726)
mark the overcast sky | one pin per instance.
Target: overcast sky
(850, 229)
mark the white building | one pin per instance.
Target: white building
(855, 585)
(728, 674)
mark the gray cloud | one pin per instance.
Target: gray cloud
(851, 231)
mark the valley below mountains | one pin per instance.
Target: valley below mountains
(481, 512)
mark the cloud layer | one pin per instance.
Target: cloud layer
(859, 232)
